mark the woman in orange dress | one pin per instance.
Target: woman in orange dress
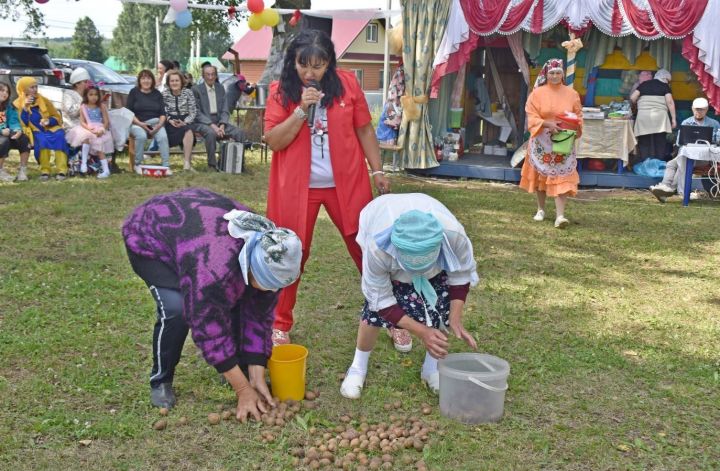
(545, 172)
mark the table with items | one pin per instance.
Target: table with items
(606, 139)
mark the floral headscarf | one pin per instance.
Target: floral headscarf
(550, 65)
(273, 254)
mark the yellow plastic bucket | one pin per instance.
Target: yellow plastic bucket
(287, 371)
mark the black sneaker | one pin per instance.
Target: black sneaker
(162, 395)
(60, 177)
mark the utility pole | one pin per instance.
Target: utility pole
(386, 58)
(157, 40)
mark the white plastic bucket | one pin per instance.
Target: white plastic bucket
(472, 387)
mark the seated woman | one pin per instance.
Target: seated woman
(11, 137)
(213, 267)
(418, 266)
(42, 124)
(149, 121)
(181, 109)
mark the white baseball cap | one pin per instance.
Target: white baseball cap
(699, 103)
(79, 75)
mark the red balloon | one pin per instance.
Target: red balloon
(42, 1)
(255, 6)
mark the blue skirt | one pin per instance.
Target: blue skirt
(53, 140)
(414, 305)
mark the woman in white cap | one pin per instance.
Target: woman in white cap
(214, 268)
(418, 266)
(655, 116)
(75, 134)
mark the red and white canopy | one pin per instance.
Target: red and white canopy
(646, 19)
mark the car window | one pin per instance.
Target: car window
(100, 73)
(24, 58)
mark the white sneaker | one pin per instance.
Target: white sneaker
(539, 216)
(4, 176)
(695, 195)
(561, 222)
(432, 381)
(103, 175)
(352, 385)
(168, 172)
(137, 169)
(662, 189)
(22, 176)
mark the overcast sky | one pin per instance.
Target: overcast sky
(61, 15)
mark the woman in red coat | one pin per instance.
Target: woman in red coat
(318, 126)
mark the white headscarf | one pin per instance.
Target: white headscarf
(663, 75)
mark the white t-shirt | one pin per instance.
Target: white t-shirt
(321, 172)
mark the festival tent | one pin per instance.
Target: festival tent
(467, 23)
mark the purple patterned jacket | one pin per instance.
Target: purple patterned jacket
(231, 322)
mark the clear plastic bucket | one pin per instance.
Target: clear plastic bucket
(472, 387)
(287, 371)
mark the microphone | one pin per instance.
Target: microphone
(311, 108)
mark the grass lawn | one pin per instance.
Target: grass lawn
(611, 329)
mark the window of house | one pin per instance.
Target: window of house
(359, 74)
(371, 33)
(382, 79)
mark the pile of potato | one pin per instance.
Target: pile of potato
(355, 444)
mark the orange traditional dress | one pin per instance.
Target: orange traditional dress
(544, 170)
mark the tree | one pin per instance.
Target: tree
(134, 37)
(87, 41)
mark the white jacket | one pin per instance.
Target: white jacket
(380, 265)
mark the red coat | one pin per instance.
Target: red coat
(290, 168)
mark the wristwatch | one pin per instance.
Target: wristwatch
(299, 113)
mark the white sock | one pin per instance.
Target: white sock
(105, 167)
(430, 365)
(360, 363)
(85, 153)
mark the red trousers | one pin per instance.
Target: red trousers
(318, 196)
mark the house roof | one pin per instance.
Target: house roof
(255, 45)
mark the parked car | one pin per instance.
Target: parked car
(22, 59)
(107, 79)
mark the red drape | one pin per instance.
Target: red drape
(675, 18)
(486, 17)
(691, 53)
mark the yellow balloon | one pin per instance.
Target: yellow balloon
(255, 22)
(270, 17)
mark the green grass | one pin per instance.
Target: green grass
(611, 329)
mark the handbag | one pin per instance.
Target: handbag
(563, 142)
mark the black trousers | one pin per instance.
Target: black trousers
(169, 334)
(170, 329)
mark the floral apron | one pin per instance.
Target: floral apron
(546, 161)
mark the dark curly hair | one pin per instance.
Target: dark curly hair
(310, 46)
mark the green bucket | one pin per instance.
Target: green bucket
(563, 141)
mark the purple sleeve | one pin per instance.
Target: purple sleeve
(255, 327)
(207, 313)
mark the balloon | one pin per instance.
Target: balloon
(184, 18)
(255, 6)
(255, 22)
(270, 17)
(170, 16)
(179, 5)
(42, 1)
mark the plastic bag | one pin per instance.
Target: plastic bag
(653, 168)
